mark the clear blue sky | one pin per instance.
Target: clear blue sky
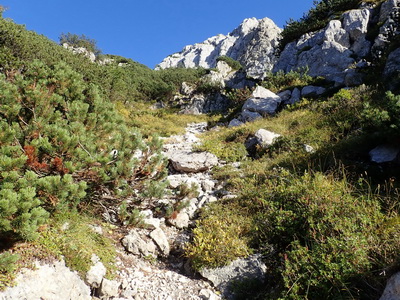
(147, 30)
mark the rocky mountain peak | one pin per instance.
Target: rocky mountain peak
(253, 44)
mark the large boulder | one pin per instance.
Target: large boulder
(253, 44)
(262, 101)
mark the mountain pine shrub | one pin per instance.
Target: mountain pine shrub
(234, 64)
(76, 40)
(61, 141)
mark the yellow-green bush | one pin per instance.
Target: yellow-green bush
(219, 238)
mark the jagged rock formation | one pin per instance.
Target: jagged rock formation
(332, 51)
(253, 44)
(344, 47)
(338, 52)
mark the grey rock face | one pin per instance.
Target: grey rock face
(253, 44)
(50, 281)
(330, 51)
(262, 101)
(392, 290)
(251, 268)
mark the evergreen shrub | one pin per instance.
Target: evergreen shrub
(57, 135)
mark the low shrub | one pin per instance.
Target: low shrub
(56, 136)
(219, 237)
(280, 81)
(234, 64)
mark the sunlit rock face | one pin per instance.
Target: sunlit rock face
(253, 44)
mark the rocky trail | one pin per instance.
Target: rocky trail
(150, 263)
(142, 276)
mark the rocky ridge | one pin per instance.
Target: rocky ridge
(253, 44)
(339, 52)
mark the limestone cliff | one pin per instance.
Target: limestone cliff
(253, 44)
(339, 52)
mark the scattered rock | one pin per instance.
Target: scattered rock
(309, 149)
(109, 288)
(312, 91)
(265, 138)
(295, 97)
(96, 272)
(392, 68)
(249, 116)
(240, 270)
(81, 50)
(208, 295)
(262, 101)
(187, 89)
(96, 228)
(161, 240)
(135, 244)
(285, 96)
(152, 223)
(235, 123)
(192, 162)
(180, 221)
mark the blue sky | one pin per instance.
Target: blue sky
(148, 30)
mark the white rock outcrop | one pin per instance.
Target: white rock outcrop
(332, 51)
(253, 44)
(262, 101)
(48, 281)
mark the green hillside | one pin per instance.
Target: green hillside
(326, 221)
